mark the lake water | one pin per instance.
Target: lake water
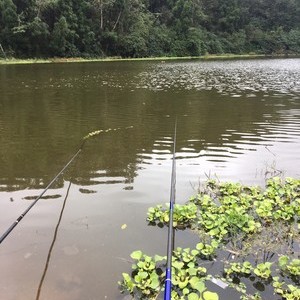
(238, 120)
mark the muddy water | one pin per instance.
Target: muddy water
(237, 120)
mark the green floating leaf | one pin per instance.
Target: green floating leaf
(158, 258)
(283, 260)
(197, 284)
(185, 291)
(136, 254)
(207, 295)
(199, 246)
(154, 281)
(214, 244)
(193, 296)
(128, 282)
(178, 265)
(143, 275)
(126, 277)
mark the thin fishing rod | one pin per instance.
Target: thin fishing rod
(91, 134)
(9, 230)
(170, 247)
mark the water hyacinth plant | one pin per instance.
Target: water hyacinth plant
(188, 277)
(183, 215)
(254, 233)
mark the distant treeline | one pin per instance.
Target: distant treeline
(142, 28)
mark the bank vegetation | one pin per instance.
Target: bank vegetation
(147, 28)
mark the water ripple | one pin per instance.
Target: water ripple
(226, 77)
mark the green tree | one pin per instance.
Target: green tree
(8, 20)
(62, 39)
(292, 40)
(74, 21)
(38, 37)
(187, 16)
(103, 8)
(159, 41)
(135, 30)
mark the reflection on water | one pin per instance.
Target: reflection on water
(236, 119)
(46, 110)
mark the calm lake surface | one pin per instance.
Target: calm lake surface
(237, 120)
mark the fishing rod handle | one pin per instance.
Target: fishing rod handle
(168, 285)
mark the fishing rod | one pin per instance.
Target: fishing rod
(10, 229)
(171, 231)
(170, 247)
(17, 221)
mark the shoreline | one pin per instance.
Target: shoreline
(14, 61)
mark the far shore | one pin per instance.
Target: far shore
(111, 59)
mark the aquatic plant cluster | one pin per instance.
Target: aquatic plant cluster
(252, 233)
(97, 132)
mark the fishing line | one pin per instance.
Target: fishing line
(59, 221)
(52, 244)
(90, 135)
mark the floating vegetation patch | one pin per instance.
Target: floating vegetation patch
(253, 234)
(56, 196)
(97, 132)
(87, 191)
(237, 79)
(128, 188)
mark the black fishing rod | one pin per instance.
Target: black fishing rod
(170, 247)
(91, 134)
(9, 230)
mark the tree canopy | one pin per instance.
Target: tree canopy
(143, 28)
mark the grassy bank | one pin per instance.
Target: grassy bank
(109, 59)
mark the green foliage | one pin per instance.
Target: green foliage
(145, 279)
(134, 28)
(289, 266)
(234, 212)
(182, 215)
(8, 21)
(8, 14)
(239, 268)
(281, 199)
(38, 36)
(286, 291)
(62, 39)
(208, 250)
(263, 270)
(188, 278)
(257, 227)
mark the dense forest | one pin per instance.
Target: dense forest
(142, 28)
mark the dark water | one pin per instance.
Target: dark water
(238, 120)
